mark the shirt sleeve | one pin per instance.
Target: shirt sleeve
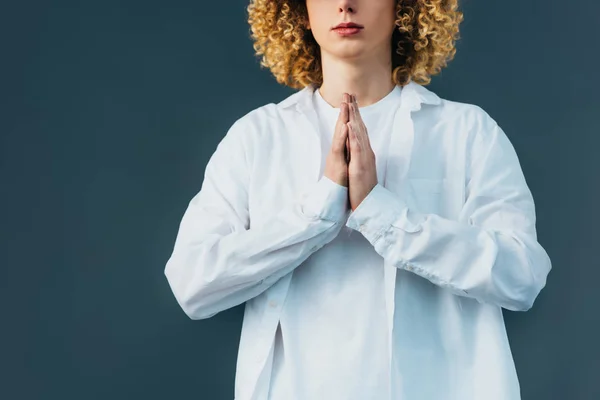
(218, 260)
(490, 253)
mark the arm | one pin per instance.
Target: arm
(490, 254)
(217, 261)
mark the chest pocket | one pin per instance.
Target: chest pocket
(427, 195)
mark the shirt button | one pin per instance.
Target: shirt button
(362, 227)
(273, 303)
(314, 248)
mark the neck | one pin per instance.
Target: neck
(369, 79)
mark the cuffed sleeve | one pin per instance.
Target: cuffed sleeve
(218, 260)
(490, 254)
(374, 216)
(328, 200)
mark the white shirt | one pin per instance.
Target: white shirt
(347, 274)
(453, 220)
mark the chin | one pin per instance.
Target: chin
(349, 51)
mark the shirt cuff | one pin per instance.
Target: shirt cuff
(379, 211)
(327, 200)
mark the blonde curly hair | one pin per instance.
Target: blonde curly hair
(425, 36)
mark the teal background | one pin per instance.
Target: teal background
(109, 113)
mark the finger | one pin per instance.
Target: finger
(356, 113)
(355, 129)
(347, 98)
(341, 133)
(339, 146)
(344, 112)
(357, 116)
(360, 129)
(354, 145)
(342, 120)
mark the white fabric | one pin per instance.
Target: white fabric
(347, 274)
(453, 220)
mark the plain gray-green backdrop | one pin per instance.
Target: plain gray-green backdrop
(109, 113)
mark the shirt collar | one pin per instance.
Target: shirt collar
(413, 95)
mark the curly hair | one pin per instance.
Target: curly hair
(424, 38)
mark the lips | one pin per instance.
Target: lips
(348, 25)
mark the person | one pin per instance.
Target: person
(374, 230)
